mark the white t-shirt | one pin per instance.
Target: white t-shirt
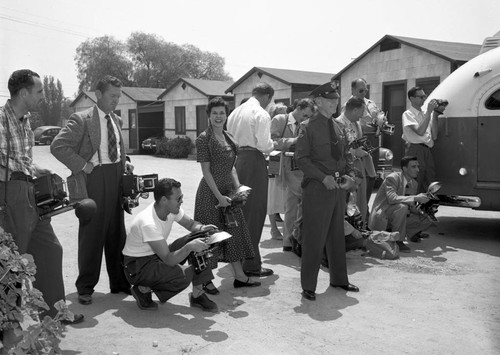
(147, 227)
(414, 117)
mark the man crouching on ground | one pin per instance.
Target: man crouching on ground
(151, 264)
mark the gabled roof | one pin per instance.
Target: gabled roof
(287, 76)
(206, 87)
(142, 94)
(452, 51)
(136, 94)
(88, 94)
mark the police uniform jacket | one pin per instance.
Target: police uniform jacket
(313, 149)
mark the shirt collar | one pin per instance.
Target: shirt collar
(291, 119)
(101, 113)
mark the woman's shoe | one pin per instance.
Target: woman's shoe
(237, 283)
(210, 288)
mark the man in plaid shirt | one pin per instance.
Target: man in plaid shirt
(18, 210)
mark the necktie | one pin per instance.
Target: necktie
(334, 142)
(112, 151)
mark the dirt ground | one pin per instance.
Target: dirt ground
(440, 298)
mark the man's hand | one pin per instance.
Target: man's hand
(348, 183)
(208, 227)
(330, 183)
(360, 152)
(129, 168)
(432, 105)
(197, 245)
(422, 198)
(87, 169)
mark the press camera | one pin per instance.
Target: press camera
(442, 103)
(51, 199)
(380, 123)
(200, 260)
(136, 186)
(364, 143)
(238, 199)
(430, 208)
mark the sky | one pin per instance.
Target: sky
(311, 35)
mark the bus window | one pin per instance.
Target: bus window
(493, 102)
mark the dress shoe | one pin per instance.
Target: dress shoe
(85, 299)
(144, 300)
(348, 287)
(403, 248)
(124, 290)
(210, 288)
(423, 235)
(415, 238)
(77, 318)
(203, 302)
(287, 248)
(263, 272)
(238, 284)
(309, 295)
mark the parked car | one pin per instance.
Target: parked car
(149, 144)
(45, 134)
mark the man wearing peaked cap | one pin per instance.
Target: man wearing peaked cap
(320, 155)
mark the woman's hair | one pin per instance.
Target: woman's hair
(277, 109)
(217, 102)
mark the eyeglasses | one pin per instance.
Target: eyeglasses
(361, 91)
(423, 97)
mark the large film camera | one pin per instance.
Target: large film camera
(364, 143)
(200, 260)
(441, 105)
(52, 199)
(136, 186)
(380, 123)
(238, 199)
(430, 208)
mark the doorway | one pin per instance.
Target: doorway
(394, 104)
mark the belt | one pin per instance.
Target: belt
(246, 147)
(17, 175)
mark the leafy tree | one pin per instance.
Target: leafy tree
(50, 109)
(150, 61)
(102, 56)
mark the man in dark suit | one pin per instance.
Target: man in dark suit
(91, 146)
(394, 205)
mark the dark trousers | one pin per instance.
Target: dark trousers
(34, 237)
(323, 225)
(106, 230)
(165, 281)
(252, 172)
(427, 171)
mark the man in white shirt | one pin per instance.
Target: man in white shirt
(151, 264)
(394, 205)
(420, 130)
(250, 125)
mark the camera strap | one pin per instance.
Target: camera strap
(3, 208)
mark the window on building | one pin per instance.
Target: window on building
(389, 45)
(180, 120)
(283, 101)
(428, 85)
(493, 102)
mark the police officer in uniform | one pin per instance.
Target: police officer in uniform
(320, 154)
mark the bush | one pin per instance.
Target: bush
(161, 146)
(179, 147)
(20, 303)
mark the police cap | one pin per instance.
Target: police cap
(327, 90)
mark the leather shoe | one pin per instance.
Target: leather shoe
(144, 300)
(309, 295)
(237, 283)
(403, 248)
(263, 272)
(124, 290)
(203, 302)
(423, 235)
(415, 238)
(77, 318)
(287, 248)
(348, 287)
(210, 288)
(85, 299)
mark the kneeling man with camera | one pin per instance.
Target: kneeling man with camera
(394, 207)
(153, 265)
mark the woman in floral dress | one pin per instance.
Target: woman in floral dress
(216, 152)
